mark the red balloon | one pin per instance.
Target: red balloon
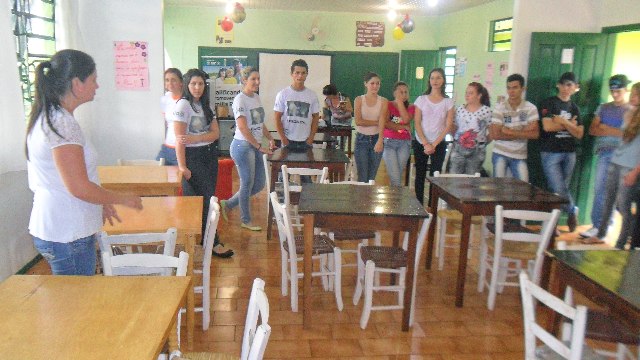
(226, 24)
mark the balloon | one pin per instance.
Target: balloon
(398, 34)
(238, 14)
(226, 24)
(407, 25)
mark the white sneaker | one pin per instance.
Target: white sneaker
(589, 233)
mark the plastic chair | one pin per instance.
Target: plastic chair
(290, 178)
(141, 162)
(504, 254)
(553, 347)
(121, 244)
(446, 215)
(386, 259)
(292, 251)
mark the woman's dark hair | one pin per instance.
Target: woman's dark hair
(441, 71)
(204, 99)
(484, 93)
(222, 71)
(53, 81)
(173, 71)
(329, 90)
(396, 86)
(370, 75)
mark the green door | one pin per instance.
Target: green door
(410, 60)
(348, 70)
(546, 64)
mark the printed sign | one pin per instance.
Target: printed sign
(223, 37)
(369, 33)
(131, 59)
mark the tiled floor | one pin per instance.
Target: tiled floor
(441, 331)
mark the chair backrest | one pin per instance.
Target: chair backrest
(441, 203)
(210, 231)
(143, 264)
(350, 182)
(318, 176)
(549, 221)
(141, 162)
(447, 157)
(285, 228)
(578, 315)
(255, 338)
(351, 171)
(168, 238)
(322, 145)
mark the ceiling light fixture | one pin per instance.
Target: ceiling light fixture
(432, 3)
(391, 15)
(229, 8)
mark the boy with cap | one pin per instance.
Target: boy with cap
(606, 129)
(561, 127)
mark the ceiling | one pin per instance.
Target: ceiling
(413, 7)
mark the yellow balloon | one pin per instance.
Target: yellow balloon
(398, 34)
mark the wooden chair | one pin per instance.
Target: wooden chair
(391, 260)
(255, 336)
(292, 251)
(448, 216)
(504, 253)
(290, 178)
(141, 162)
(124, 243)
(553, 347)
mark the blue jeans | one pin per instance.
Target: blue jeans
(467, 161)
(396, 153)
(251, 172)
(517, 167)
(367, 160)
(558, 168)
(75, 258)
(169, 155)
(602, 164)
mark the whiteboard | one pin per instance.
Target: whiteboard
(275, 75)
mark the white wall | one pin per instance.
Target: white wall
(617, 12)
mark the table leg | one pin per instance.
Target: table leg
(462, 258)
(349, 143)
(274, 178)
(433, 206)
(396, 243)
(409, 279)
(557, 286)
(191, 301)
(173, 335)
(308, 220)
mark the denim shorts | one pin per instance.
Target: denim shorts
(74, 258)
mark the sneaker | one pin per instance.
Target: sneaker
(589, 233)
(250, 227)
(223, 210)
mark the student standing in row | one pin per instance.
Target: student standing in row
(397, 133)
(173, 85)
(561, 127)
(471, 123)
(434, 120)
(370, 118)
(513, 123)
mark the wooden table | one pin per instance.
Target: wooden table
(89, 317)
(479, 196)
(159, 214)
(343, 132)
(334, 159)
(607, 277)
(364, 208)
(141, 180)
(319, 138)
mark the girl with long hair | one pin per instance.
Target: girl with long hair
(397, 133)
(471, 123)
(173, 86)
(69, 206)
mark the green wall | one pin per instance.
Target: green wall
(626, 56)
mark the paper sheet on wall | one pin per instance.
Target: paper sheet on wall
(504, 69)
(132, 66)
(461, 66)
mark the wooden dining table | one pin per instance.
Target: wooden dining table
(159, 214)
(342, 206)
(89, 317)
(141, 180)
(474, 196)
(319, 138)
(334, 159)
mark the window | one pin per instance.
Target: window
(34, 30)
(449, 61)
(500, 35)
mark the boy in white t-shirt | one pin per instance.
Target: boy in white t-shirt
(297, 110)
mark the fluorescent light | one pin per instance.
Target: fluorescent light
(229, 8)
(432, 3)
(391, 15)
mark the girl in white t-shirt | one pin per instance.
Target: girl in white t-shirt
(173, 85)
(433, 121)
(246, 148)
(69, 206)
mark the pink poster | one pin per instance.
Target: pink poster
(132, 67)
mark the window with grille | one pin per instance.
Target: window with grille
(34, 30)
(500, 35)
(449, 61)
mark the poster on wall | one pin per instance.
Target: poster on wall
(224, 69)
(223, 37)
(461, 66)
(132, 66)
(369, 33)
(222, 96)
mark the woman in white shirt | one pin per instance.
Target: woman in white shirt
(433, 121)
(69, 206)
(246, 148)
(173, 86)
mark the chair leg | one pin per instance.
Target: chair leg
(284, 283)
(325, 278)
(332, 267)
(402, 282)
(206, 306)
(482, 266)
(337, 284)
(368, 294)
(493, 285)
(359, 278)
(442, 236)
(294, 289)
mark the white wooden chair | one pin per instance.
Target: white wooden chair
(290, 178)
(322, 145)
(447, 158)
(292, 251)
(447, 216)
(553, 347)
(255, 336)
(504, 253)
(351, 170)
(386, 259)
(120, 244)
(141, 162)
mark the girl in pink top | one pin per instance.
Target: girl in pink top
(397, 136)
